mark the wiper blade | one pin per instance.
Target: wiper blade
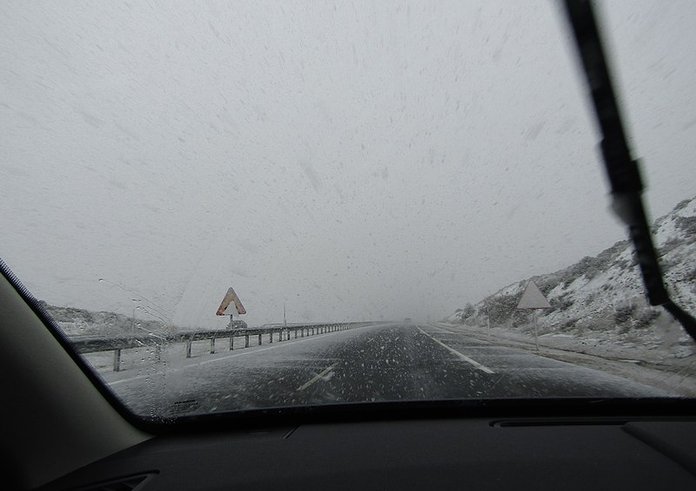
(622, 169)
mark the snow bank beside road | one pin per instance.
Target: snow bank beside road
(633, 362)
(599, 306)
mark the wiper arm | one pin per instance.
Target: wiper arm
(622, 169)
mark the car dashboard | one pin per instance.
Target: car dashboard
(441, 453)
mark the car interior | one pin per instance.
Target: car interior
(63, 429)
(78, 437)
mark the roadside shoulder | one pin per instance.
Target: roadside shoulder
(678, 378)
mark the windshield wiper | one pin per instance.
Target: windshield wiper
(622, 169)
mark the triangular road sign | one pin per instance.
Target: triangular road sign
(532, 298)
(230, 297)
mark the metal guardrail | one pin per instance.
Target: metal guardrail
(93, 344)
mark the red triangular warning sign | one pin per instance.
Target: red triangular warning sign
(230, 297)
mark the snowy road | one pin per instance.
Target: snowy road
(388, 362)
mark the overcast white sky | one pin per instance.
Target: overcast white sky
(357, 161)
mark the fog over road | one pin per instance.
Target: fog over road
(383, 362)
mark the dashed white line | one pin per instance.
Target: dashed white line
(318, 376)
(459, 355)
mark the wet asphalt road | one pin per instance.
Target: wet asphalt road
(389, 362)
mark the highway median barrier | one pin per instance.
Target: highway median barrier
(95, 344)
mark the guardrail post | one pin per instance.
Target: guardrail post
(285, 333)
(117, 360)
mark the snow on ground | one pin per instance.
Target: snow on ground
(601, 352)
(145, 383)
(599, 306)
(134, 358)
(137, 361)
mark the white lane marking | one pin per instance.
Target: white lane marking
(116, 382)
(251, 351)
(318, 376)
(459, 355)
(451, 330)
(440, 329)
(236, 355)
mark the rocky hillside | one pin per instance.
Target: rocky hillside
(602, 293)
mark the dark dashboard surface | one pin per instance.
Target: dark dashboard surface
(410, 454)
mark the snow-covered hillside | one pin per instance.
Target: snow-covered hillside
(604, 294)
(81, 322)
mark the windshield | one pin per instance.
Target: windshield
(240, 206)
